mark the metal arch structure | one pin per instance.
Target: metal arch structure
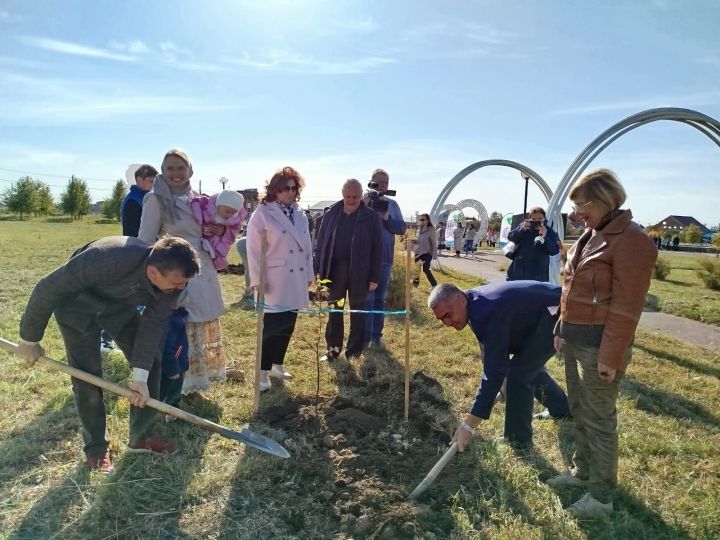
(482, 215)
(445, 193)
(706, 125)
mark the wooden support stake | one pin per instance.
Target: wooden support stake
(260, 312)
(408, 296)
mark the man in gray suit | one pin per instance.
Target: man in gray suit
(100, 287)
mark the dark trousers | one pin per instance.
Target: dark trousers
(278, 328)
(426, 259)
(338, 288)
(551, 395)
(171, 389)
(83, 352)
(524, 367)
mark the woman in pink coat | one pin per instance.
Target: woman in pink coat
(289, 267)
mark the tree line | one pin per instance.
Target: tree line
(29, 196)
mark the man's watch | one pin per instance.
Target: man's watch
(467, 427)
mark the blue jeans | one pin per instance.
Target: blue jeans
(376, 302)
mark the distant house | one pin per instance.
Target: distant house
(251, 199)
(318, 208)
(678, 223)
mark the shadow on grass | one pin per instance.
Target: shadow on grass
(660, 402)
(28, 445)
(631, 518)
(681, 361)
(59, 219)
(47, 516)
(144, 497)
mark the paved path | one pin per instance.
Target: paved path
(493, 265)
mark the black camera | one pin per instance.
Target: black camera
(535, 223)
(377, 201)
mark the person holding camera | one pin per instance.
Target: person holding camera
(392, 224)
(535, 241)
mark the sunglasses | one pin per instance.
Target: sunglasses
(289, 188)
(580, 207)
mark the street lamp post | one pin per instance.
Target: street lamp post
(525, 177)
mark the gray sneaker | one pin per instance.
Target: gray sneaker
(566, 480)
(590, 508)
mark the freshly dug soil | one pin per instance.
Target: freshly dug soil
(357, 455)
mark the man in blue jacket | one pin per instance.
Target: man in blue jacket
(392, 224)
(508, 319)
(131, 206)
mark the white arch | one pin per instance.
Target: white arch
(703, 123)
(445, 192)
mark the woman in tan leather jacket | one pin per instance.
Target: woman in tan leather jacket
(607, 276)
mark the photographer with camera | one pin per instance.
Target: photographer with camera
(393, 223)
(535, 241)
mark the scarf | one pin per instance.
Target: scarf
(288, 211)
(166, 195)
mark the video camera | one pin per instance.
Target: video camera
(378, 202)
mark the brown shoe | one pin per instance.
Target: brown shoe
(101, 463)
(152, 445)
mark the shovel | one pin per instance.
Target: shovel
(250, 438)
(435, 471)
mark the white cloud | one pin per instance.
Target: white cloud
(288, 61)
(75, 49)
(22, 156)
(687, 101)
(133, 47)
(43, 101)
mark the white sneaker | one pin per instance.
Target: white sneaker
(265, 383)
(590, 508)
(278, 371)
(566, 480)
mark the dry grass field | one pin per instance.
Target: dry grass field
(353, 459)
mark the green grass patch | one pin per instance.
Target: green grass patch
(353, 458)
(683, 292)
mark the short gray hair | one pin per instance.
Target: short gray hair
(352, 182)
(442, 293)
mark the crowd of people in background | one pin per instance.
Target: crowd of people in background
(159, 297)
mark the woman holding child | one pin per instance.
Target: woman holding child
(289, 267)
(167, 210)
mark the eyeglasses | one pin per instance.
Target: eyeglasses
(289, 188)
(422, 220)
(578, 208)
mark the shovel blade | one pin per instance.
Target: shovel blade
(260, 442)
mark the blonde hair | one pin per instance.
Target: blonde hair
(179, 154)
(602, 187)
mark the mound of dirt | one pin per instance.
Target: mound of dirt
(358, 456)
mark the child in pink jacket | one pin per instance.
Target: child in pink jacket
(225, 208)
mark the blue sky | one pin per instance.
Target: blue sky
(337, 88)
